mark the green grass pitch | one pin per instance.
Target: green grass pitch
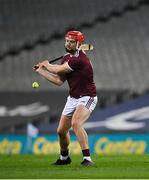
(106, 167)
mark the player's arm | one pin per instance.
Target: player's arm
(54, 78)
(55, 68)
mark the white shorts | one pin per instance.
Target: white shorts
(72, 103)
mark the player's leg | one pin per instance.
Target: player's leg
(83, 110)
(79, 117)
(64, 140)
(63, 132)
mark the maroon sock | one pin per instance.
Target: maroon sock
(64, 153)
(86, 152)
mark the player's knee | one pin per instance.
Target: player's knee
(61, 132)
(75, 125)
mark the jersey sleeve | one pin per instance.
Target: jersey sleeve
(75, 64)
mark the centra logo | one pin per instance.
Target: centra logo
(128, 146)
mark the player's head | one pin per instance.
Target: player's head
(73, 40)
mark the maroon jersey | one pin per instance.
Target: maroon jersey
(80, 80)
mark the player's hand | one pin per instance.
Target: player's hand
(38, 67)
(35, 67)
(45, 63)
(42, 65)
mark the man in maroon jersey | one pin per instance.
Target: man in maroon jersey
(76, 68)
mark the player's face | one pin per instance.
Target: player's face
(70, 45)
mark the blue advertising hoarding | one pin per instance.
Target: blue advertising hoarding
(99, 144)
